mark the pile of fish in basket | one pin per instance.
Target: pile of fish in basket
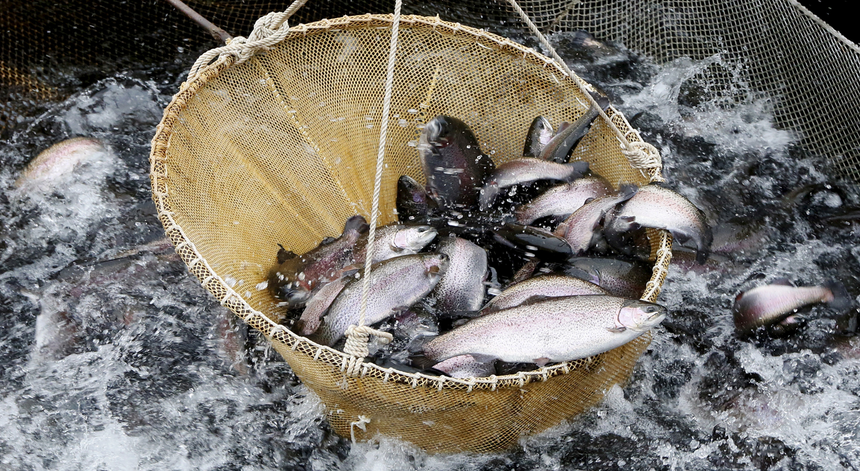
(492, 269)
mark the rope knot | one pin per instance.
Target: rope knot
(642, 155)
(358, 337)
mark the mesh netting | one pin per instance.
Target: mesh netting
(282, 148)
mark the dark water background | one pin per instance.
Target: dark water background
(156, 375)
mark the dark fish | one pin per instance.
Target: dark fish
(395, 284)
(461, 288)
(558, 149)
(541, 287)
(562, 200)
(772, 303)
(661, 208)
(621, 278)
(539, 135)
(453, 163)
(297, 275)
(413, 204)
(583, 228)
(557, 329)
(524, 171)
(533, 241)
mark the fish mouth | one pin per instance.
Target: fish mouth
(414, 238)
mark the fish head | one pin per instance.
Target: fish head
(293, 293)
(413, 238)
(639, 316)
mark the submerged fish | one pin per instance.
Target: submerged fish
(539, 135)
(658, 207)
(557, 329)
(562, 200)
(541, 287)
(453, 163)
(527, 170)
(773, 303)
(395, 284)
(558, 149)
(462, 286)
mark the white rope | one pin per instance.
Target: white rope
(358, 336)
(361, 423)
(268, 31)
(636, 153)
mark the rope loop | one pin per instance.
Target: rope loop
(642, 155)
(357, 340)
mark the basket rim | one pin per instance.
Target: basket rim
(332, 357)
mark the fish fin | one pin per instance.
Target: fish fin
(841, 299)
(580, 167)
(417, 344)
(542, 361)
(602, 101)
(616, 330)
(783, 282)
(627, 190)
(356, 223)
(284, 254)
(702, 256)
(419, 360)
(327, 240)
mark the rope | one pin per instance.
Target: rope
(358, 336)
(268, 31)
(361, 423)
(637, 153)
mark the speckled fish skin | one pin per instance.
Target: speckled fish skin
(558, 329)
(462, 286)
(619, 277)
(539, 134)
(294, 279)
(59, 160)
(466, 366)
(527, 170)
(394, 240)
(318, 305)
(453, 163)
(582, 228)
(563, 200)
(772, 303)
(540, 287)
(395, 284)
(658, 207)
(558, 149)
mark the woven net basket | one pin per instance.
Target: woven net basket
(281, 149)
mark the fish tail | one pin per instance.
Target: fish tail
(841, 299)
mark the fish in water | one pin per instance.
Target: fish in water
(777, 301)
(539, 135)
(58, 161)
(533, 241)
(395, 284)
(461, 288)
(453, 163)
(582, 229)
(562, 200)
(541, 287)
(658, 207)
(553, 330)
(524, 171)
(296, 276)
(558, 149)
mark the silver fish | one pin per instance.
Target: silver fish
(562, 200)
(395, 284)
(557, 329)
(318, 305)
(620, 278)
(582, 229)
(772, 303)
(527, 170)
(539, 135)
(541, 287)
(462, 286)
(558, 149)
(394, 240)
(453, 163)
(56, 162)
(661, 208)
(467, 366)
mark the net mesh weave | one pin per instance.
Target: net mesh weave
(281, 149)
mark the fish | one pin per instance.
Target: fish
(539, 134)
(533, 241)
(394, 240)
(619, 277)
(658, 207)
(395, 284)
(553, 330)
(461, 288)
(772, 303)
(413, 204)
(524, 171)
(562, 200)
(541, 287)
(296, 276)
(467, 366)
(558, 149)
(454, 166)
(56, 162)
(317, 306)
(582, 229)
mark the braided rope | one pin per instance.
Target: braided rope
(358, 336)
(268, 31)
(634, 151)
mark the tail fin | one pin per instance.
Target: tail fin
(841, 299)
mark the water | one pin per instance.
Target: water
(149, 372)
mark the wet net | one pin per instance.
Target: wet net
(280, 149)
